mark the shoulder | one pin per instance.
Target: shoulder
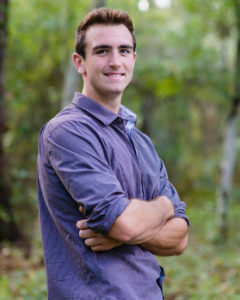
(70, 121)
(71, 129)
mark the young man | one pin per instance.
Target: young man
(97, 171)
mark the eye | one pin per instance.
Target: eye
(101, 51)
(125, 51)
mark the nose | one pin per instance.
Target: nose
(114, 60)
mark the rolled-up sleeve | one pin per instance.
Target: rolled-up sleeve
(79, 159)
(168, 190)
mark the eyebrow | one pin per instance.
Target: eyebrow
(110, 47)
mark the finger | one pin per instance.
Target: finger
(82, 224)
(99, 248)
(92, 242)
(81, 209)
(104, 246)
(86, 233)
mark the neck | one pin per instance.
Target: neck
(111, 102)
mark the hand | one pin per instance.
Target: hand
(96, 241)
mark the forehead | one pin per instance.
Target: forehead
(108, 35)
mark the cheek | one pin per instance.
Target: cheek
(131, 64)
(130, 68)
(93, 67)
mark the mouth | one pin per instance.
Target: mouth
(114, 75)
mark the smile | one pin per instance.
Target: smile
(114, 75)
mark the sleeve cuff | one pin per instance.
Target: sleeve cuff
(105, 224)
(183, 216)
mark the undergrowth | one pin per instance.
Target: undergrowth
(208, 270)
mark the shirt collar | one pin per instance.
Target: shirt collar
(95, 109)
(129, 117)
(126, 114)
(100, 112)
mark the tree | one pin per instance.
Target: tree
(229, 149)
(71, 77)
(9, 230)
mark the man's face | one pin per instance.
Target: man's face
(109, 62)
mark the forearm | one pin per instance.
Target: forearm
(141, 221)
(172, 239)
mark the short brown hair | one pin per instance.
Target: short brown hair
(105, 16)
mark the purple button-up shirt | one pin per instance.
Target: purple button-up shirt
(92, 157)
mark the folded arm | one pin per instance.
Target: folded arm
(172, 239)
(139, 222)
(142, 220)
(149, 224)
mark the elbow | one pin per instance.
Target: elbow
(182, 246)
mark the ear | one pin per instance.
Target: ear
(134, 56)
(78, 62)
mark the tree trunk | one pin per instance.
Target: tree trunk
(227, 167)
(9, 230)
(147, 108)
(71, 78)
(70, 84)
(100, 3)
(229, 149)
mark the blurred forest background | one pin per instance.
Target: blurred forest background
(186, 93)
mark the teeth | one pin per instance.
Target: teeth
(114, 75)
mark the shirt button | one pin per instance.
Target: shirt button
(119, 120)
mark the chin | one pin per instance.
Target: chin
(115, 91)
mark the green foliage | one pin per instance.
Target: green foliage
(40, 39)
(184, 78)
(209, 268)
(24, 285)
(185, 68)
